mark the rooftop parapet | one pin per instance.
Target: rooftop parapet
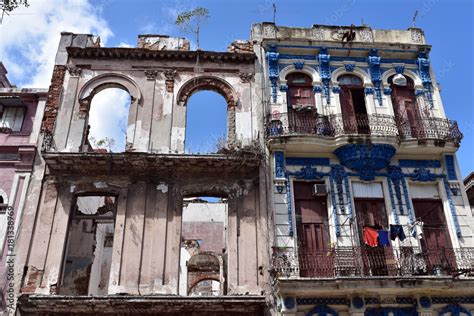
(162, 42)
(333, 33)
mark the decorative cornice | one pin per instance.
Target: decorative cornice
(142, 53)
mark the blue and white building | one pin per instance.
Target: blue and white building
(370, 213)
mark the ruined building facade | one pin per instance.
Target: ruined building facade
(337, 191)
(115, 225)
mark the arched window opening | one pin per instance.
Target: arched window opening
(300, 91)
(108, 121)
(405, 108)
(3, 202)
(207, 287)
(203, 245)
(354, 112)
(88, 254)
(206, 123)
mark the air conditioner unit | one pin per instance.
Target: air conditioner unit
(319, 190)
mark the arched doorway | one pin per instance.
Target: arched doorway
(405, 108)
(353, 108)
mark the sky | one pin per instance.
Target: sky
(29, 37)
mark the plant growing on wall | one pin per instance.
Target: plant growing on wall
(103, 143)
(191, 21)
(7, 6)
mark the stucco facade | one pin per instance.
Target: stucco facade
(338, 187)
(360, 148)
(21, 111)
(142, 189)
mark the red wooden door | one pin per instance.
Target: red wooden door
(371, 213)
(300, 90)
(314, 253)
(436, 243)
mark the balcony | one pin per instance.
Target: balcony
(357, 262)
(379, 125)
(432, 128)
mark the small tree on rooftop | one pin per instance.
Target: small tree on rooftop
(190, 21)
(7, 6)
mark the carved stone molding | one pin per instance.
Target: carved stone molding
(416, 36)
(318, 34)
(169, 79)
(365, 35)
(246, 77)
(269, 31)
(74, 71)
(84, 106)
(151, 74)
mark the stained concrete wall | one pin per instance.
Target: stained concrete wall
(147, 239)
(157, 117)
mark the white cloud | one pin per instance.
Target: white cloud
(125, 45)
(108, 116)
(30, 36)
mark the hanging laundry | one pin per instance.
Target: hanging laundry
(383, 238)
(417, 230)
(397, 231)
(370, 237)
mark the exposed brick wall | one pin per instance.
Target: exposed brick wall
(54, 96)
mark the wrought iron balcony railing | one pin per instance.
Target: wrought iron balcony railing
(353, 262)
(308, 123)
(432, 128)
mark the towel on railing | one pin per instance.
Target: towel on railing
(370, 237)
(383, 238)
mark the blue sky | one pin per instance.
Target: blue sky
(447, 23)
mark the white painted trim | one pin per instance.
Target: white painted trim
(358, 72)
(21, 205)
(387, 74)
(306, 70)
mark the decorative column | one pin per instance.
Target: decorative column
(375, 74)
(273, 69)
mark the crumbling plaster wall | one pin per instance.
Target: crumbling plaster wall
(147, 238)
(157, 117)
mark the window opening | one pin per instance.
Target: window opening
(12, 117)
(206, 123)
(353, 108)
(203, 246)
(406, 109)
(88, 254)
(108, 120)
